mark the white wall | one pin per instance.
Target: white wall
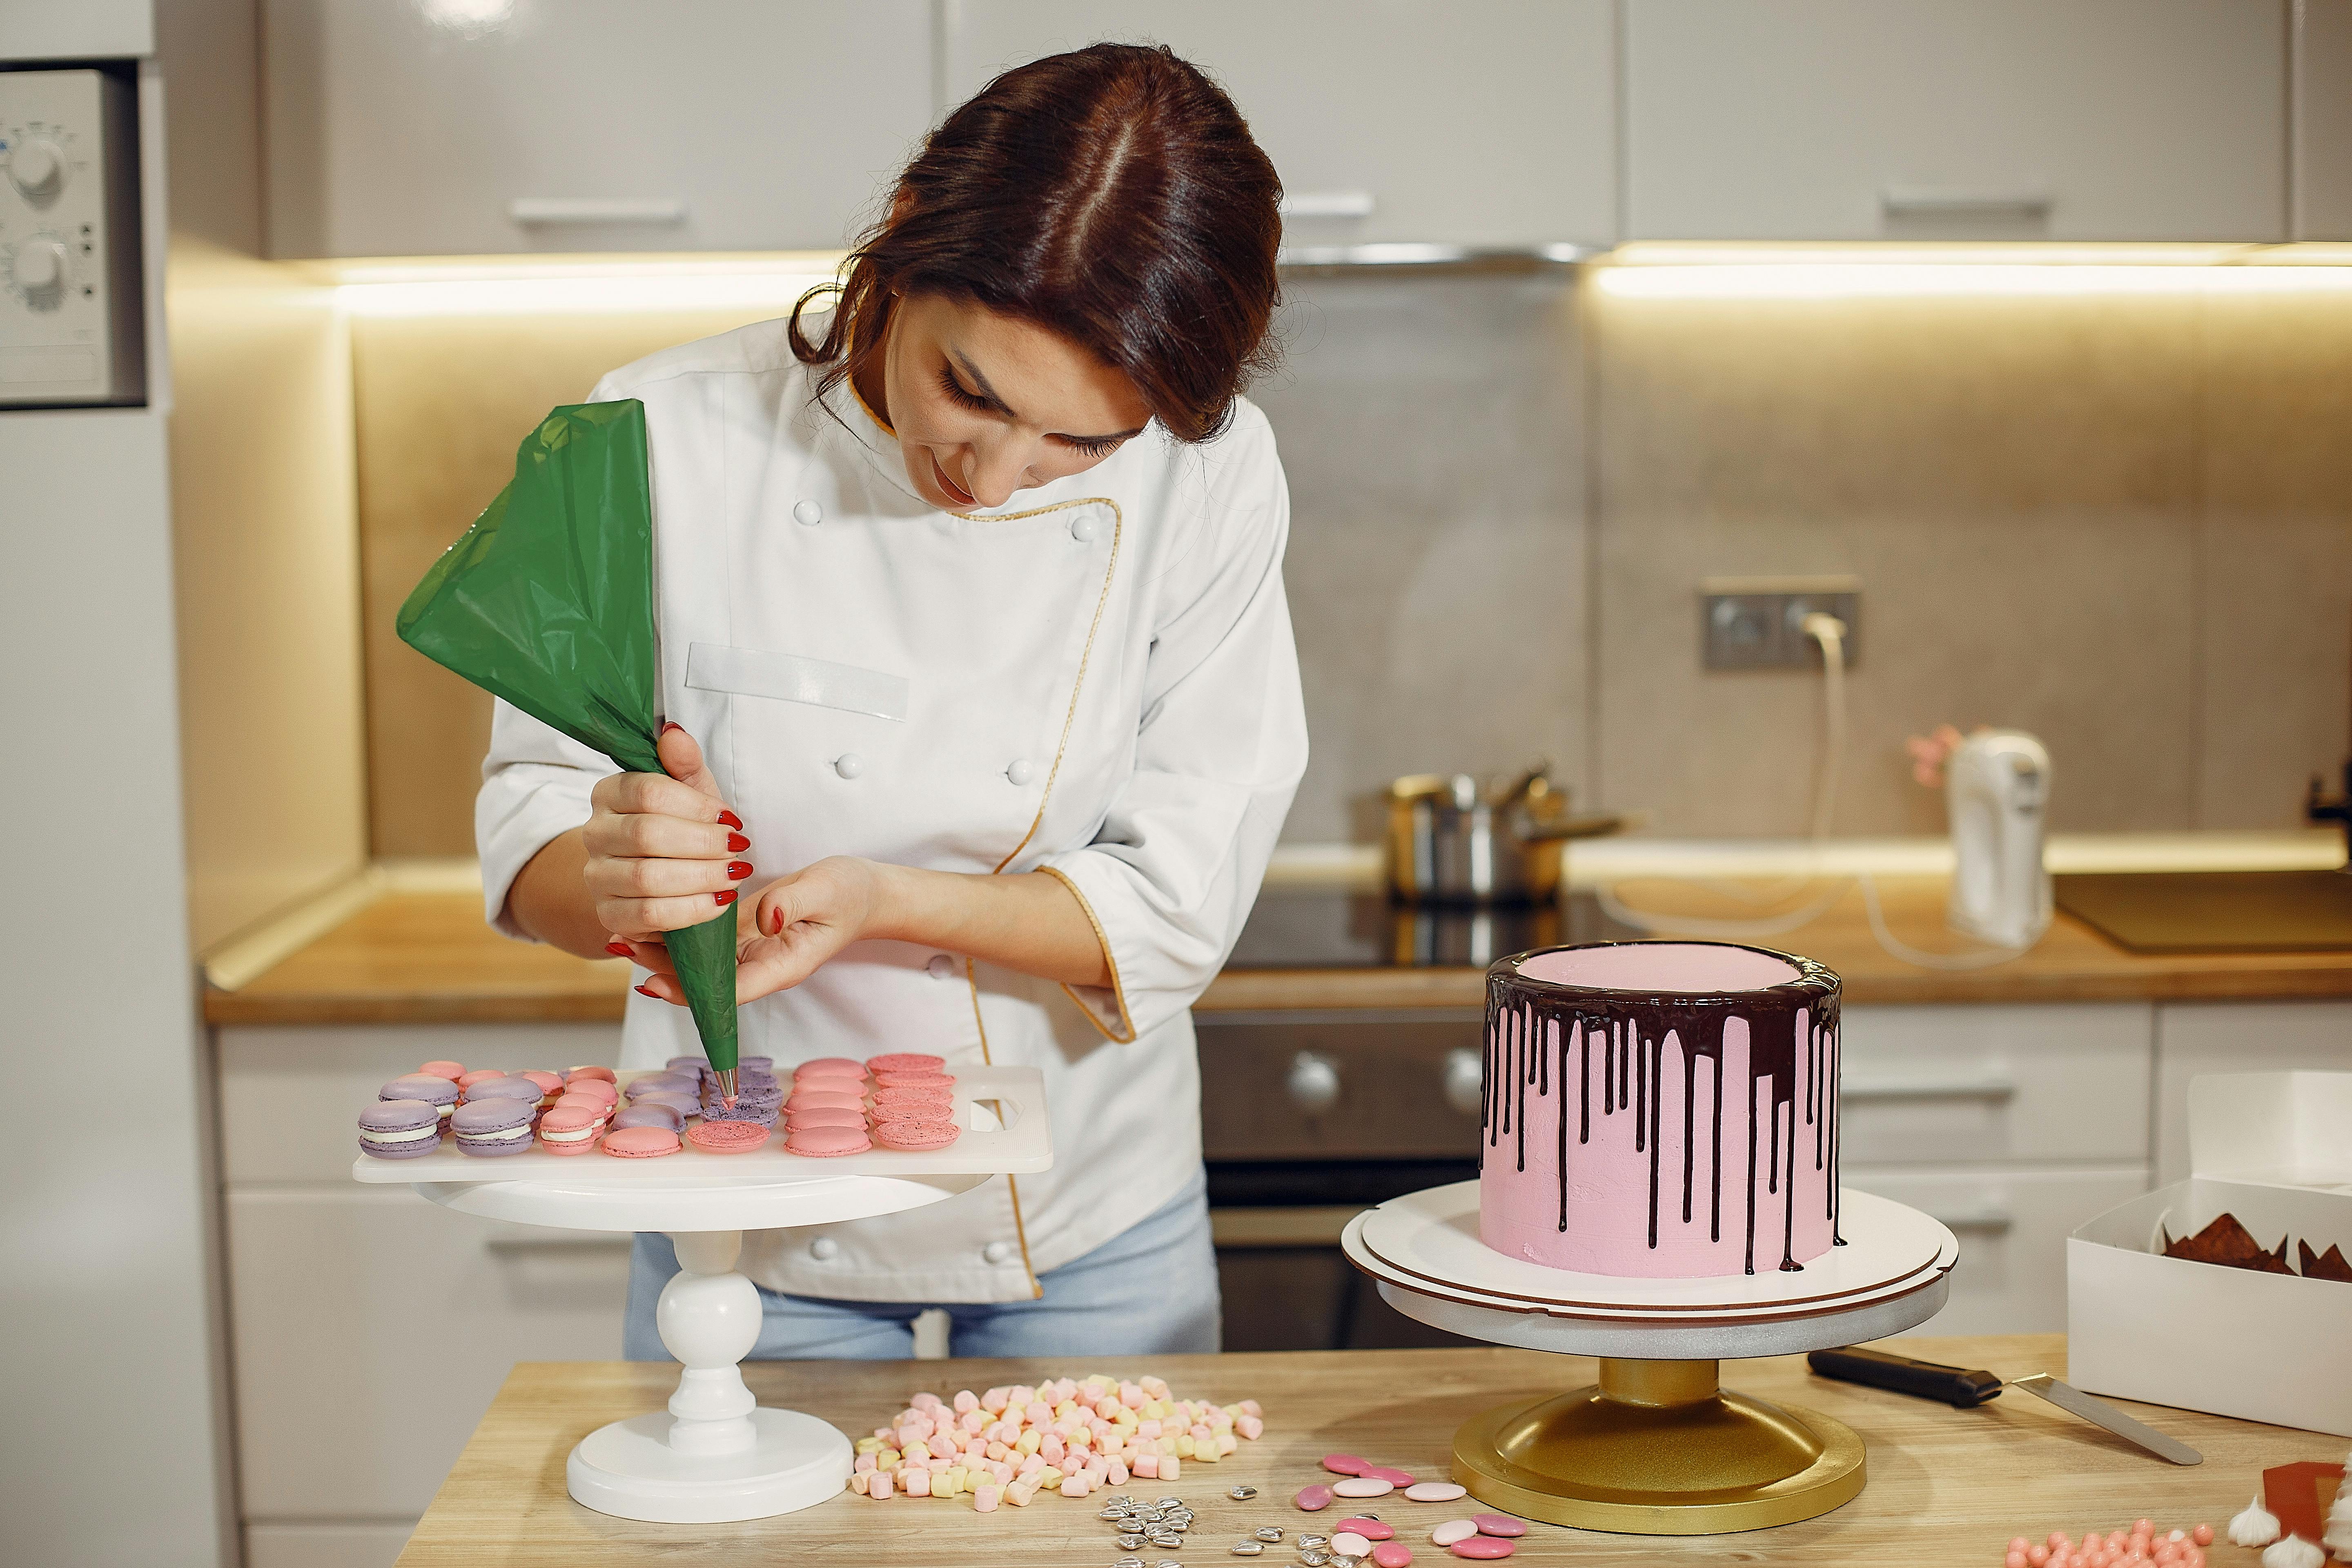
(107, 1332)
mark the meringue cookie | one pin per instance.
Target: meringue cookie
(2295, 1551)
(2256, 1526)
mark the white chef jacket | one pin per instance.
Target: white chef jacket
(1097, 681)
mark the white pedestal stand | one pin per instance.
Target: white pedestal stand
(1656, 1447)
(716, 1456)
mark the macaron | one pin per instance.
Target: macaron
(494, 1126)
(640, 1143)
(604, 1073)
(468, 1080)
(888, 1099)
(737, 1115)
(827, 1143)
(435, 1090)
(825, 1100)
(762, 1064)
(826, 1116)
(452, 1072)
(657, 1082)
(727, 1137)
(596, 1089)
(905, 1061)
(840, 1066)
(515, 1088)
(400, 1129)
(696, 1064)
(686, 1105)
(651, 1113)
(836, 1082)
(549, 1084)
(913, 1081)
(913, 1136)
(569, 1130)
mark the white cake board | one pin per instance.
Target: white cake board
(1423, 1254)
(716, 1456)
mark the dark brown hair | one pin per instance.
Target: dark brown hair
(1111, 196)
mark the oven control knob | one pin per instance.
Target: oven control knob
(1465, 1081)
(1314, 1083)
(38, 170)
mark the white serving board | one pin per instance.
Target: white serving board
(1000, 1108)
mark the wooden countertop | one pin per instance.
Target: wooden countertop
(1945, 1486)
(426, 957)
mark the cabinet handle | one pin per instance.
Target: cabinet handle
(1936, 200)
(1465, 1081)
(1328, 204)
(1313, 1083)
(1987, 1219)
(551, 211)
(1991, 1086)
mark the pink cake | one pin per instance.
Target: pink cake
(1660, 1108)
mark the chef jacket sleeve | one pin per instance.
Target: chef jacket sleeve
(536, 782)
(1173, 872)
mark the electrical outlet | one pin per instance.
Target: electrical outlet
(1758, 623)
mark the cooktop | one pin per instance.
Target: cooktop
(1329, 928)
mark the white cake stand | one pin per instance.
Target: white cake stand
(717, 1455)
(1656, 1447)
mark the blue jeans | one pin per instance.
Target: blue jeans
(1152, 1288)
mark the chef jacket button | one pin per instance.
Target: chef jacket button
(941, 965)
(996, 1251)
(1021, 772)
(825, 1249)
(1082, 529)
(849, 765)
(808, 513)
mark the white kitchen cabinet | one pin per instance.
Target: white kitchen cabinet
(439, 127)
(2012, 1224)
(1989, 1082)
(2321, 144)
(369, 1329)
(1482, 122)
(2094, 120)
(2196, 1038)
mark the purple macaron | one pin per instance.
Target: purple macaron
(438, 1092)
(494, 1126)
(400, 1129)
(684, 1104)
(662, 1082)
(653, 1112)
(697, 1066)
(519, 1089)
(765, 1115)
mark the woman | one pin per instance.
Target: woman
(980, 689)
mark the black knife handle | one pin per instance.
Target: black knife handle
(1900, 1374)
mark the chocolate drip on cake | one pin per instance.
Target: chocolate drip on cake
(1532, 1026)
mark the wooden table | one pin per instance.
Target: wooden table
(1945, 1485)
(426, 957)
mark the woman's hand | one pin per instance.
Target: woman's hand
(662, 853)
(798, 923)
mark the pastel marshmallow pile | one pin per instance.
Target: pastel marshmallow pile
(2141, 1544)
(1008, 1445)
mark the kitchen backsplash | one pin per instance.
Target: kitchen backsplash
(2123, 522)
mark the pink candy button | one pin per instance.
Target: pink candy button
(1309, 1499)
(1498, 1525)
(1346, 1465)
(1369, 1528)
(1434, 1491)
(1363, 1487)
(1391, 1554)
(1394, 1478)
(1482, 1548)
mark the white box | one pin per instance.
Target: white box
(2275, 1150)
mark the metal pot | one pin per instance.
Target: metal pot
(1449, 844)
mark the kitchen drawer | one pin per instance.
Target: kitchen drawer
(289, 1097)
(1333, 1085)
(1962, 1085)
(2012, 1226)
(2197, 1038)
(369, 1329)
(372, 1544)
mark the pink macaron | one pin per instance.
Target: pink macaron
(823, 1099)
(914, 1080)
(826, 1143)
(831, 1083)
(596, 1089)
(839, 1067)
(727, 1137)
(827, 1116)
(480, 1075)
(640, 1143)
(913, 1136)
(604, 1073)
(905, 1061)
(907, 1101)
(569, 1130)
(452, 1072)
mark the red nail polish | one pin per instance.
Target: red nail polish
(646, 990)
(739, 870)
(730, 819)
(668, 727)
(775, 922)
(726, 898)
(619, 949)
(736, 844)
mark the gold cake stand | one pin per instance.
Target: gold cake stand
(1657, 1446)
